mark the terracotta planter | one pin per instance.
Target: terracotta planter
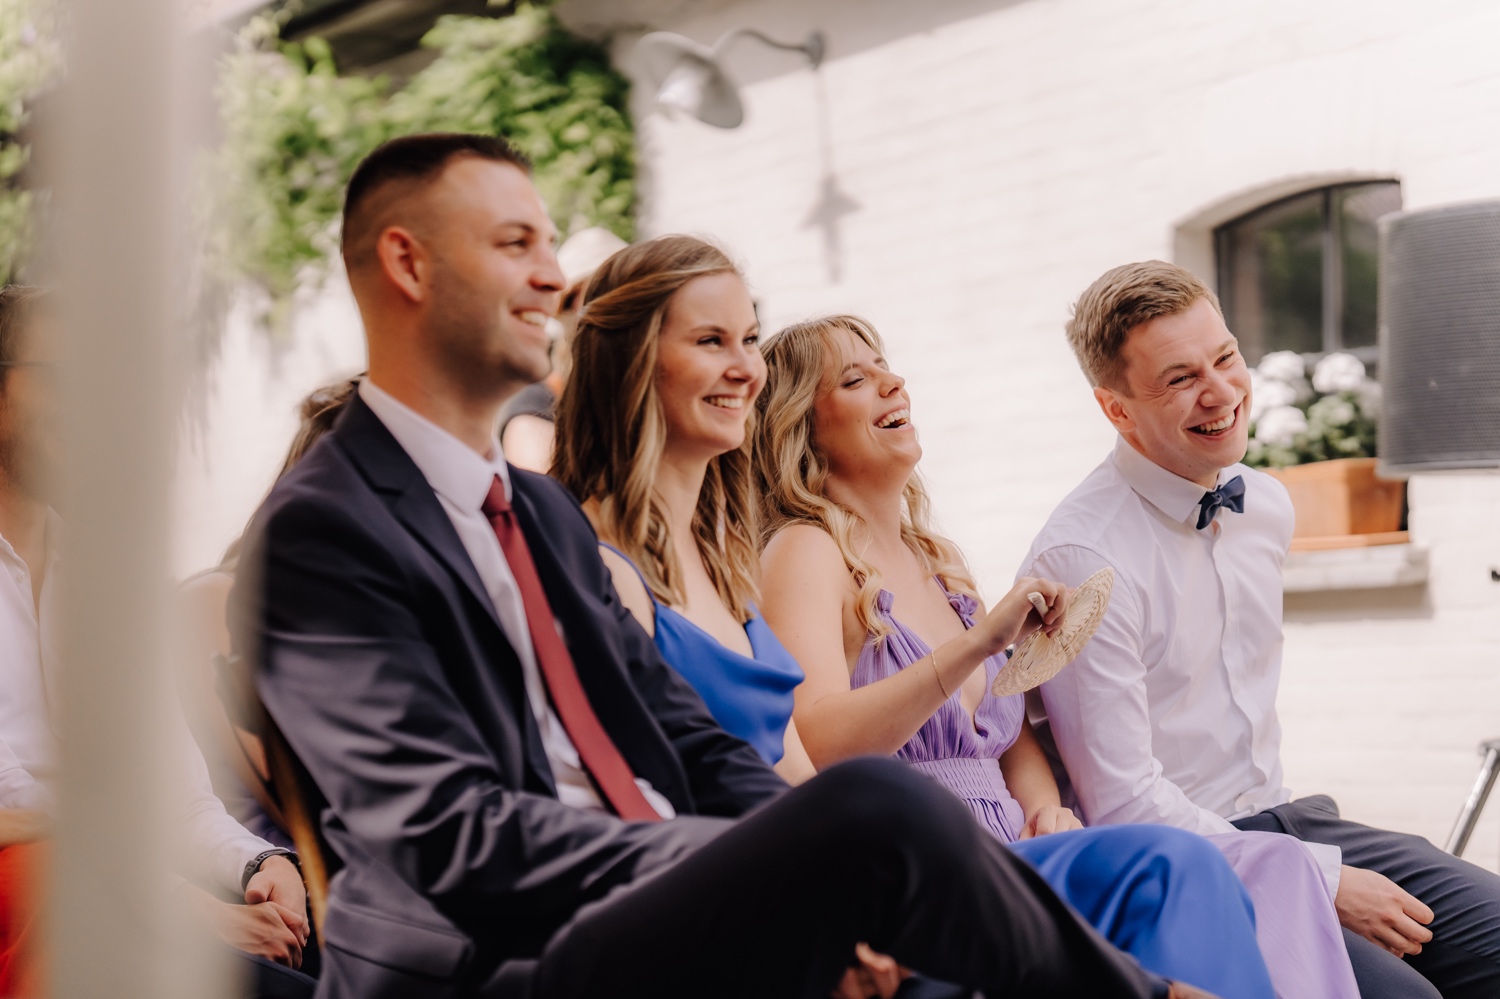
(1343, 497)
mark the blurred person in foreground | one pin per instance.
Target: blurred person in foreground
(901, 659)
(1169, 713)
(216, 858)
(526, 799)
(527, 420)
(29, 549)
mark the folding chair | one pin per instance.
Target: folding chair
(293, 798)
(1468, 818)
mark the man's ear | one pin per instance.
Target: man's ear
(404, 262)
(1116, 408)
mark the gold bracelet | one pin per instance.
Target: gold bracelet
(939, 677)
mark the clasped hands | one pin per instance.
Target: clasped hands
(273, 921)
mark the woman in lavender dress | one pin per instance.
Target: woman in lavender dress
(882, 615)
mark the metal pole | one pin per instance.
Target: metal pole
(1468, 818)
(112, 160)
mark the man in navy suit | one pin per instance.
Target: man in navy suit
(526, 800)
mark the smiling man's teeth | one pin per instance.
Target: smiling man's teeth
(897, 418)
(726, 401)
(535, 317)
(1216, 426)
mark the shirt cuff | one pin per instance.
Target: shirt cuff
(1330, 861)
(240, 855)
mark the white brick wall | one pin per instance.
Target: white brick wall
(1007, 153)
(244, 414)
(1004, 154)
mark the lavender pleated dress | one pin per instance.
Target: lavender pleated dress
(1298, 930)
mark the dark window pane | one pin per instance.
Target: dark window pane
(1271, 266)
(1358, 207)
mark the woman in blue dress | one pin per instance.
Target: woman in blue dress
(652, 438)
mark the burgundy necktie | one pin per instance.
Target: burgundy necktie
(595, 748)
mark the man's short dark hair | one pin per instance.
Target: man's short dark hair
(17, 304)
(412, 160)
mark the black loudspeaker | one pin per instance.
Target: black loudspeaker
(1440, 338)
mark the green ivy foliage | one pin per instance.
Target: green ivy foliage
(294, 130)
(552, 94)
(29, 63)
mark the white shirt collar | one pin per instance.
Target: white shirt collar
(1169, 492)
(453, 469)
(51, 543)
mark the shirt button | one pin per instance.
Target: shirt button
(1242, 802)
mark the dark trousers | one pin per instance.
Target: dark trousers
(772, 905)
(267, 980)
(1463, 959)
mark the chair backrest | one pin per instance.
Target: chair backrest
(301, 803)
(294, 799)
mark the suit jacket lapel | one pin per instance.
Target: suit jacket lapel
(392, 472)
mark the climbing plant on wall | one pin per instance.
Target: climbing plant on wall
(294, 129)
(29, 62)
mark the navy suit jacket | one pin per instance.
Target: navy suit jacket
(380, 657)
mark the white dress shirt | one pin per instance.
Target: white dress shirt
(1169, 713)
(207, 845)
(461, 478)
(26, 741)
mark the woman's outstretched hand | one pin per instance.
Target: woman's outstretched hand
(1015, 616)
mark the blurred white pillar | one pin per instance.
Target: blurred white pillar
(113, 161)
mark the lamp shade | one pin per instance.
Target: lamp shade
(688, 78)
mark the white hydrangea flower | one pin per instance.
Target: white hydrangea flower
(1280, 426)
(1282, 366)
(1332, 411)
(1268, 393)
(1338, 372)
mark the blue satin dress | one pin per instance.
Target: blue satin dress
(1165, 896)
(751, 697)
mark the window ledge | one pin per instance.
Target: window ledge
(1367, 568)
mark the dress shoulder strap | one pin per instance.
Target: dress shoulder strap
(634, 568)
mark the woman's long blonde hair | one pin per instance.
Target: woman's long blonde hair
(791, 471)
(611, 429)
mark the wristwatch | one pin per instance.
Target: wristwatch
(253, 868)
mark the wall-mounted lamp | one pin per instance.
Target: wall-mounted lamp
(690, 77)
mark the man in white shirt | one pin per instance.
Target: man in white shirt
(215, 854)
(1169, 714)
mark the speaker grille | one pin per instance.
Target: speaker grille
(1440, 338)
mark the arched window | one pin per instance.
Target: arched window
(1299, 273)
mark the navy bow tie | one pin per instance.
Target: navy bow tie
(1231, 495)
